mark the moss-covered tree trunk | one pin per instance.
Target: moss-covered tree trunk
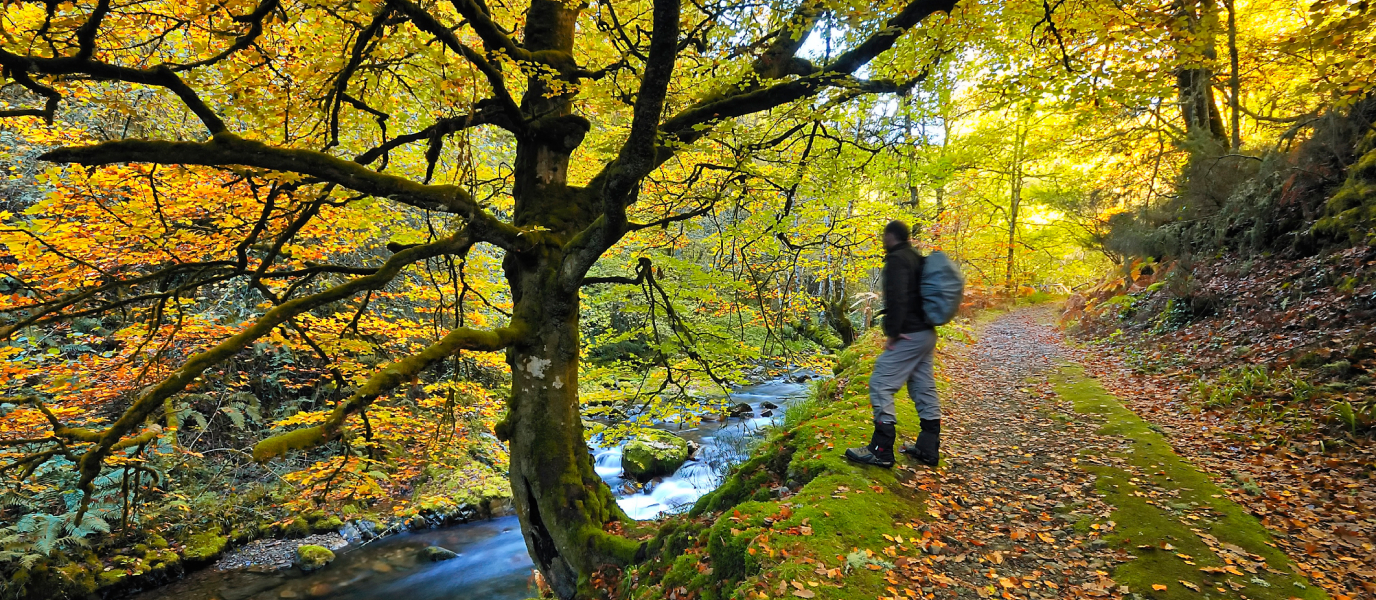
(560, 500)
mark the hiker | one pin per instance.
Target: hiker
(907, 357)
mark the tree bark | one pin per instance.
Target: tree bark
(1194, 83)
(560, 500)
(1020, 133)
(1234, 83)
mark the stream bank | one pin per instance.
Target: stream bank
(490, 562)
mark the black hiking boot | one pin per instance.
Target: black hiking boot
(879, 452)
(865, 456)
(927, 448)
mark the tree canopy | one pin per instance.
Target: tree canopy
(361, 239)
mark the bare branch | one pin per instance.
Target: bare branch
(429, 24)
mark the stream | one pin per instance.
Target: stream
(492, 562)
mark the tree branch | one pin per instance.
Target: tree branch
(383, 381)
(486, 113)
(641, 270)
(161, 76)
(429, 24)
(110, 438)
(230, 149)
(255, 20)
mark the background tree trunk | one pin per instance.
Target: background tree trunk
(1234, 83)
(1194, 84)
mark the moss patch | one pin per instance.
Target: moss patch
(204, 546)
(654, 453)
(743, 539)
(1172, 518)
(310, 558)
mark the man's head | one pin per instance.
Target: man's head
(895, 234)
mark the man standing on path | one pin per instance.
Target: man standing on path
(907, 358)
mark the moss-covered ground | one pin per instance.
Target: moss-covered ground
(785, 522)
(1181, 528)
(798, 520)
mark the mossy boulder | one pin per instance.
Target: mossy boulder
(112, 577)
(331, 523)
(310, 558)
(297, 528)
(204, 546)
(653, 453)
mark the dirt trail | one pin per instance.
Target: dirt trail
(1024, 504)
(1008, 491)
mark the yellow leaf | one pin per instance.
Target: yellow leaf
(1160, 587)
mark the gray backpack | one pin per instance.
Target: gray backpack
(942, 288)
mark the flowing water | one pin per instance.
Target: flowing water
(492, 562)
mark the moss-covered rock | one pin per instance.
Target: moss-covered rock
(653, 453)
(161, 560)
(310, 558)
(112, 577)
(330, 523)
(732, 544)
(297, 528)
(436, 554)
(204, 546)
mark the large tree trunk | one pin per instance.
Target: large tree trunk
(560, 500)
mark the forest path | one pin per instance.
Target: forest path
(1051, 489)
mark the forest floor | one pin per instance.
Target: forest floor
(1050, 487)
(1049, 478)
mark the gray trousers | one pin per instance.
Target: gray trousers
(908, 361)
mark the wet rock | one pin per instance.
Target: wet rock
(741, 410)
(767, 405)
(310, 557)
(351, 533)
(653, 453)
(767, 413)
(437, 554)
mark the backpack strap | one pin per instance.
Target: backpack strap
(917, 285)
